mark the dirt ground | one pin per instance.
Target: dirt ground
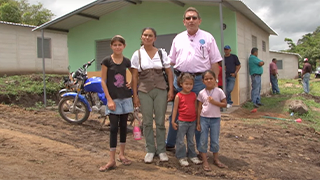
(40, 145)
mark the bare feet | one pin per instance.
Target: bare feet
(108, 166)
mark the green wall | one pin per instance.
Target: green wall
(165, 17)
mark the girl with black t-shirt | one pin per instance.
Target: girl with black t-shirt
(113, 74)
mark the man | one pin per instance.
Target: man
(274, 76)
(233, 66)
(306, 71)
(193, 51)
(256, 70)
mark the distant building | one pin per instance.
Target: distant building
(20, 50)
(288, 63)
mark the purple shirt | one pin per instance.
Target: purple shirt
(273, 67)
(209, 110)
(195, 53)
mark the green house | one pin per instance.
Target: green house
(91, 27)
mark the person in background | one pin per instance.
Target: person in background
(153, 95)
(274, 76)
(233, 66)
(306, 71)
(193, 51)
(256, 70)
(220, 76)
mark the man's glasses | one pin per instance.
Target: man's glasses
(191, 17)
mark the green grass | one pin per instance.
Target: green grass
(291, 89)
(29, 84)
(21, 89)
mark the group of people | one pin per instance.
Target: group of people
(256, 70)
(195, 58)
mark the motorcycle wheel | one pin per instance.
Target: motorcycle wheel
(65, 107)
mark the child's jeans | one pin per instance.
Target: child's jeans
(185, 129)
(214, 125)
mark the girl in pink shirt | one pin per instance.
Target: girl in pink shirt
(210, 100)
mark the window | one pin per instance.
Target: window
(279, 64)
(103, 49)
(264, 48)
(165, 41)
(46, 47)
(254, 42)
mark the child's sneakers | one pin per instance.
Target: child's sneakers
(184, 162)
(196, 160)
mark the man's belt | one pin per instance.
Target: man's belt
(256, 74)
(177, 73)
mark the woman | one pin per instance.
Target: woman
(152, 96)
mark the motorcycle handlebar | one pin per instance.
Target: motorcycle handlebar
(78, 73)
(88, 64)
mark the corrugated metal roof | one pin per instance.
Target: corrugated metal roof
(280, 52)
(17, 24)
(98, 8)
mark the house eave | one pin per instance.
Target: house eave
(98, 8)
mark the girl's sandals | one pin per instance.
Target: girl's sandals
(219, 164)
(206, 168)
(107, 167)
(125, 161)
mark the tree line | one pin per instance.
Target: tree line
(308, 47)
(20, 11)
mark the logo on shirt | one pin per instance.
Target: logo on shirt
(202, 41)
(119, 80)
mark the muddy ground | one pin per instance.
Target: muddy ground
(40, 145)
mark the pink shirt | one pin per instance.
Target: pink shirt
(273, 66)
(195, 53)
(209, 110)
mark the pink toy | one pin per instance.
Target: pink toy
(298, 120)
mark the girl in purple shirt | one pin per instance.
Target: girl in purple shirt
(210, 100)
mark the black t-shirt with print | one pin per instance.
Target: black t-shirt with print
(116, 78)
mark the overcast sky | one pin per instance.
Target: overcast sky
(289, 18)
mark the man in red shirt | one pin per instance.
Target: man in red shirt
(306, 71)
(274, 76)
(220, 75)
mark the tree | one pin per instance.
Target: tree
(9, 11)
(22, 12)
(308, 47)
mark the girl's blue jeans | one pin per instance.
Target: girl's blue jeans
(212, 126)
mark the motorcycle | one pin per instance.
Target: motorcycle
(75, 107)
